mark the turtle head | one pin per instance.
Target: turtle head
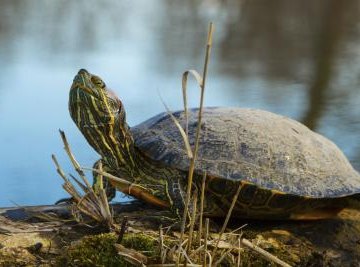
(100, 116)
(91, 103)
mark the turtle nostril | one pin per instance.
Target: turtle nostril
(81, 77)
(82, 71)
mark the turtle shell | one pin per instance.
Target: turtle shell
(255, 146)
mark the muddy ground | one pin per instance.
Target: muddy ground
(48, 236)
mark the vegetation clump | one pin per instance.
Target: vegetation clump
(100, 250)
(143, 243)
(97, 250)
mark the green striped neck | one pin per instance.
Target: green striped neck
(101, 118)
(127, 162)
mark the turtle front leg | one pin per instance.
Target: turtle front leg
(110, 190)
(177, 194)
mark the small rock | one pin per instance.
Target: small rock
(35, 248)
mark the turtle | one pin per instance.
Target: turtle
(283, 169)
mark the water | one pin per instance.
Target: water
(297, 58)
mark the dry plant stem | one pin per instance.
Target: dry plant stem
(100, 178)
(263, 253)
(67, 186)
(227, 252)
(192, 223)
(237, 229)
(228, 215)
(131, 255)
(223, 255)
(174, 265)
(186, 256)
(72, 158)
(239, 252)
(80, 184)
(161, 244)
(183, 133)
(199, 80)
(59, 169)
(198, 129)
(122, 229)
(104, 200)
(205, 240)
(105, 208)
(90, 197)
(201, 207)
(180, 250)
(210, 259)
(113, 177)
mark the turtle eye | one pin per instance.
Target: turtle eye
(97, 81)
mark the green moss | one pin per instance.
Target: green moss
(95, 250)
(99, 250)
(142, 243)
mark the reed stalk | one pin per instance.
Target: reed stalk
(197, 136)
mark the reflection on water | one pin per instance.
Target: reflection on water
(297, 58)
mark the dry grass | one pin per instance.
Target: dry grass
(87, 200)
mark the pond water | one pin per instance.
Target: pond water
(297, 58)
